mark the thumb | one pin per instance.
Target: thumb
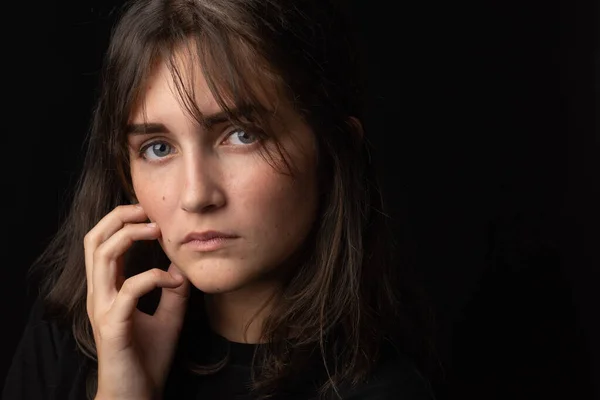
(173, 301)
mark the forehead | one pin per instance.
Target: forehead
(161, 94)
(180, 80)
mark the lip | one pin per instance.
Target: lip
(207, 245)
(208, 240)
(207, 236)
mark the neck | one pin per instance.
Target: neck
(230, 313)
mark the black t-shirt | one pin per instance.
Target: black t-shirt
(48, 365)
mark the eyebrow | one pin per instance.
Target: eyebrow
(208, 122)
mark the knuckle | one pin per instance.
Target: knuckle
(102, 253)
(129, 287)
(88, 240)
(129, 229)
(127, 233)
(156, 273)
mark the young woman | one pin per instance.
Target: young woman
(227, 239)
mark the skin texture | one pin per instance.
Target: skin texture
(192, 179)
(187, 179)
(135, 350)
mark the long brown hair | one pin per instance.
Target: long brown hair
(349, 294)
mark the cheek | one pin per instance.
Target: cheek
(152, 195)
(280, 205)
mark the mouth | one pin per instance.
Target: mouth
(211, 244)
(208, 235)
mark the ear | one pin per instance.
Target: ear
(356, 126)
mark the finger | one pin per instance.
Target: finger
(106, 272)
(137, 286)
(173, 301)
(105, 228)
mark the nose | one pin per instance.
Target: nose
(202, 187)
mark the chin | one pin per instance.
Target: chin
(216, 280)
(216, 287)
(226, 272)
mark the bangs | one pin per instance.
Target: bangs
(253, 87)
(248, 93)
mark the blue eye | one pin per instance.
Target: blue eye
(156, 148)
(245, 137)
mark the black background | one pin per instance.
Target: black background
(485, 117)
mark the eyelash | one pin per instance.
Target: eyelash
(143, 149)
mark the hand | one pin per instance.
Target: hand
(135, 350)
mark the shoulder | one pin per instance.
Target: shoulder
(46, 355)
(393, 379)
(43, 333)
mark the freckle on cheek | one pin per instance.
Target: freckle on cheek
(163, 197)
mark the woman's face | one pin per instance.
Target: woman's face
(191, 179)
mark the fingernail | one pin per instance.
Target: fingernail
(176, 275)
(175, 272)
(151, 225)
(138, 206)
